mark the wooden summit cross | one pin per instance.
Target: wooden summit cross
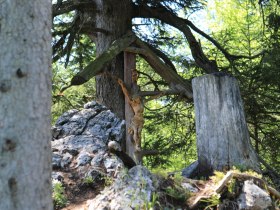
(129, 63)
(221, 128)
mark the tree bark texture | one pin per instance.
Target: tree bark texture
(25, 98)
(222, 133)
(115, 18)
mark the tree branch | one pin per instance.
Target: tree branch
(162, 92)
(183, 25)
(162, 55)
(71, 5)
(96, 66)
(173, 79)
(166, 16)
(229, 56)
(73, 29)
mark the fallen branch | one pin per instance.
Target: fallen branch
(211, 189)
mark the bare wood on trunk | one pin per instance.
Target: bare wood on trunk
(222, 134)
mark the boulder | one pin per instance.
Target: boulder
(133, 189)
(79, 143)
(253, 197)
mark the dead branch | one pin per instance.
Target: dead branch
(212, 189)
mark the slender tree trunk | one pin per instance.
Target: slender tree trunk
(25, 87)
(115, 18)
(222, 134)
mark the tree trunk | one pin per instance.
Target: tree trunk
(115, 18)
(25, 95)
(222, 133)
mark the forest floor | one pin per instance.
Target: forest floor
(78, 192)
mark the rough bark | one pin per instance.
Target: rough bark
(222, 133)
(115, 18)
(25, 95)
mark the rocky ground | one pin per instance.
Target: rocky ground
(87, 176)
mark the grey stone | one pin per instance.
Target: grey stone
(98, 159)
(66, 160)
(95, 106)
(57, 176)
(111, 162)
(189, 187)
(191, 170)
(96, 175)
(253, 197)
(55, 132)
(56, 160)
(65, 117)
(131, 190)
(83, 159)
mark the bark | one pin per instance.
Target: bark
(115, 18)
(222, 134)
(25, 95)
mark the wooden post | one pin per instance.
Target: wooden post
(129, 65)
(222, 134)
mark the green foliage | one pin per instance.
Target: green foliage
(108, 181)
(248, 32)
(88, 180)
(72, 98)
(214, 200)
(218, 176)
(58, 195)
(242, 29)
(177, 193)
(231, 186)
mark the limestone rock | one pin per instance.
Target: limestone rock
(189, 187)
(132, 190)
(253, 197)
(79, 144)
(191, 170)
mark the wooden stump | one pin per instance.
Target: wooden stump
(221, 129)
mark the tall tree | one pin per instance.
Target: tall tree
(25, 95)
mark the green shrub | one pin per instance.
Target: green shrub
(59, 198)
